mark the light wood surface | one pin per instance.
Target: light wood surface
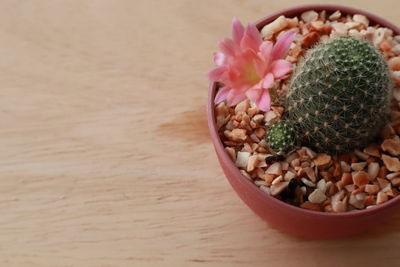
(105, 157)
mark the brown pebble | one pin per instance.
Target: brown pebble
(395, 181)
(310, 39)
(346, 178)
(361, 178)
(338, 169)
(391, 163)
(322, 160)
(392, 146)
(372, 150)
(383, 171)
(388, 132)
(371, 189)
(369, 200)
(383, 183)
(268, 178)
(339, 185)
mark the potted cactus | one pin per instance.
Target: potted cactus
(304, 109)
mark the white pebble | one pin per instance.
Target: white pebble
(309, 16)
(340, 28)
(242, 159)
(277, 25)
(289, 176)
(275, 168)
(317, 196)
(381, 198)
(345, 166)
(336, 15)
(361, 19)
(358, 166)
(373, 170)
(361, 155)
(322, 185)
(307, 182)
(277, 180)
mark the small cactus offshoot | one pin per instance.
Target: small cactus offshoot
(339, 98)
(281, 136)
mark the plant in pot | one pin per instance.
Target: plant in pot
(304, 112)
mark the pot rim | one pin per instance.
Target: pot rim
(291, 11)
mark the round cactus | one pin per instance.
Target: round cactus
(282, 136)
(339, 97)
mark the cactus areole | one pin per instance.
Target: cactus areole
(339, 99)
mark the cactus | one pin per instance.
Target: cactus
(282, 135)
(338, 100)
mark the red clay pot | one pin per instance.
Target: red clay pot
(283, 216)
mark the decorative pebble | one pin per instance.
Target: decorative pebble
(360, 178)
(381, 198)
(317, 196)
(289, 176)
(322, 159)
(392, 146)
(358, 166)
(242, 159)
(371, 189)
(309, 16)
(355, 202)
(372, 150)
(361, 19)
(275, 168)
(391, 163)
(278, 188)
(252, 162)
(242, 106)
(335, 15)
(361, 155)
(373, 170)
(277, 25)
(345, 167)
(307, 182)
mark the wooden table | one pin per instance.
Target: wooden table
(105, 154)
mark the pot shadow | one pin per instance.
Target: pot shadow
(188, 126)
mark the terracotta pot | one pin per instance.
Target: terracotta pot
(283, 216)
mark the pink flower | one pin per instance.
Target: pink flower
(249, 67)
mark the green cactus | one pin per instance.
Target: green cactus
(339, 97)
(282, 136)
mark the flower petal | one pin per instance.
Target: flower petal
(268, 81)
(235, 96)
(237, 31)
(254, 94)
(280, 68)
(264, 102)
(251, 38)
(222, 94)
(217, 73)
(265, 51)
(282, 45)
(219, 58)
(227, 47)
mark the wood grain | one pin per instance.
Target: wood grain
(105, 156)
